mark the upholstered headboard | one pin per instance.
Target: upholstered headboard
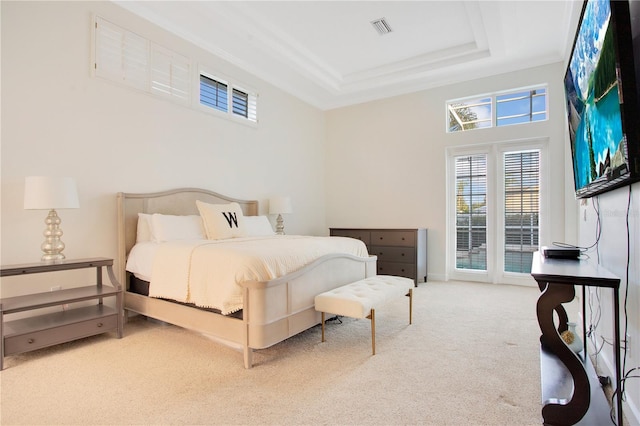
(180, 201)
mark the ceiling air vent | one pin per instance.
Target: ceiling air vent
(382, 26)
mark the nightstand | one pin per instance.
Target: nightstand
(39, 331)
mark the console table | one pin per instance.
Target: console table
(561, 368)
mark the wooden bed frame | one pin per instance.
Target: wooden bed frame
(273, 310)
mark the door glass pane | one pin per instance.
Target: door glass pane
(471, 212)
(521, 209)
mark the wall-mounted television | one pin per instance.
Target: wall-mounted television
(602, 100)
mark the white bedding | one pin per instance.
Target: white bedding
(207, 272)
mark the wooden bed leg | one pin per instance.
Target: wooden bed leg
(323, 326)
(248, 357)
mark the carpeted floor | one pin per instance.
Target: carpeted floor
(470, 358)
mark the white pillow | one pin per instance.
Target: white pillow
(258, 226)
(222, 221)
(171, 228)
(144, 232)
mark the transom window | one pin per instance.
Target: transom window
(124, 57)
(513, 107)
(214, 93)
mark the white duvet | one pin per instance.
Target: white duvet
(207, 273)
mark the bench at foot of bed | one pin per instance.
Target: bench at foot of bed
(360, 299)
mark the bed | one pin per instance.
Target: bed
(271, 310)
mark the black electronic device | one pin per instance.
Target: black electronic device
(561, 252)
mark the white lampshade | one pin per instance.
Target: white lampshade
(279, 205)
(45, 193)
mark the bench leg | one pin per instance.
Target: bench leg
(410, 295)
(372, 317)
(323, 326)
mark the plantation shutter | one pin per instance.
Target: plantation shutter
(170, 75)
(121, 55)
(521, 209)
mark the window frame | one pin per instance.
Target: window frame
(162, 72)
(473, 101)
(495, 209)
(251, 119)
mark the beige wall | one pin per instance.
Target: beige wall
(386, 160)
(59, 120)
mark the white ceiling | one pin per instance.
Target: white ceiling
(328, 54)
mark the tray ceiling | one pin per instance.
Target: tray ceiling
(329, 54)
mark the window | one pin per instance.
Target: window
(495, 193)
(469, 114)
(521, 209)
(521, 107)
(214, 93)
(129, 59)
(170, 75)
(471, 212)
(121, 55)
(517, 107)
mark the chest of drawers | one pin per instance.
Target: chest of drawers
(401, 252)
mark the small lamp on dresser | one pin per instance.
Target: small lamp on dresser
(51, 193)
(280, 206)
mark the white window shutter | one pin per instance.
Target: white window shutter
(121, 55)
(170, 75)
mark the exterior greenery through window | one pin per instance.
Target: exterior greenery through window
(522, 106)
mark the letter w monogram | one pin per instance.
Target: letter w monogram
(231, 218)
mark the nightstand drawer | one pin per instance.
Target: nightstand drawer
(407, 270)
(393, 238)
(394, 254)
(40, 339)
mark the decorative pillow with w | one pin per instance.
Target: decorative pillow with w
(222, 221)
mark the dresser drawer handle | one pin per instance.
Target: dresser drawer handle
(402, 255)
(30, 341)
(99, 324)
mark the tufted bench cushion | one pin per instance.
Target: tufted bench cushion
(360, 299)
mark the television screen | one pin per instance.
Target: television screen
(601, 100)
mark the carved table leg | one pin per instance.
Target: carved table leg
(555, 412)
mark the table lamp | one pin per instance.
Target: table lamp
(51, 193)
(279, 206)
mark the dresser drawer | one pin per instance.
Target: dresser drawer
(352, 233)
(40, 339)
(393, 238)
(394, 254)
(407, 270)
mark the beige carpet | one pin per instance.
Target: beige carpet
(471, 357)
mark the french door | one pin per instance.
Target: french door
(494, 215)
